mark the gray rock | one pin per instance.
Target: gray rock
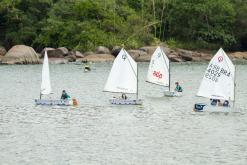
(2, 51)
(77, 54)
(88, 53)
(49, 50)
(98, 58)
(148, 49)
(21, 54)
(56, 53)
(144, 58)
(102, 50)
(71, 58)
(136, 53)
(185, 54)
(64, 51)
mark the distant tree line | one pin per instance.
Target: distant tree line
(85, 24)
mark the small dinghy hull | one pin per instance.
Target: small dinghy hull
(54, 102)
(172, 94)
(200, 107)
(125, 101)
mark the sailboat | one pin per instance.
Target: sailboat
(46, 88)
(123, 78)
(159, 71)
(218, 83)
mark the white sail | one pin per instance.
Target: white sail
(158, 71)
(123, 75)
(218, 81)
(45, 84)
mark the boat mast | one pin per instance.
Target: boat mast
(137, 81)
(162, 51)
(169, 77)
(234, 90)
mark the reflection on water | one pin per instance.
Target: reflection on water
(161, 131)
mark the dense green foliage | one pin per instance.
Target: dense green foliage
(85, 24)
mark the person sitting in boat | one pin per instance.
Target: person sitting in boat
(214, 101)
(178, 88)
(87, 66)
(226, 103)
(65, 95)
(124, 96)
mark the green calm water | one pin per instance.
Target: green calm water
(161, 131)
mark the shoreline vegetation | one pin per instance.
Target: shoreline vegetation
(191, 30)
(22, 54)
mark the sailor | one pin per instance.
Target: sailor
(124, 96)
(87, 66)
(226, 103)
(65, 95)
(214, 101)
(178, 88)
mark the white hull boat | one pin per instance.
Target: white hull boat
(53, 102)
(125, 101)
(172, 94)
(46, 88)
(200, 107)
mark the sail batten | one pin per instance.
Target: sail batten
(219, 78)
(123, 75)
(158, 71)
(45, 84)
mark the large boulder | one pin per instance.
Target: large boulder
(185, 54)
(144, 58)
(245, 55)
(136, 53)
(239, 55)
(21, 54)
(102, 50)
(77, 54)
(62, 50)
(98, 58)
(88, 53)
(71, 58)
(148, 49)
(56, 53)
(48, 50)
(175, 58)
(2, 51)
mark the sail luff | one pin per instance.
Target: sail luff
(45, 84)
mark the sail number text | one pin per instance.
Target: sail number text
(214, 72)
(157, 74)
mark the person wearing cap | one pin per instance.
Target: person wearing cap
(65, 95)
(178, 88)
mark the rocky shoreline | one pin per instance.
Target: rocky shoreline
(22, 54)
